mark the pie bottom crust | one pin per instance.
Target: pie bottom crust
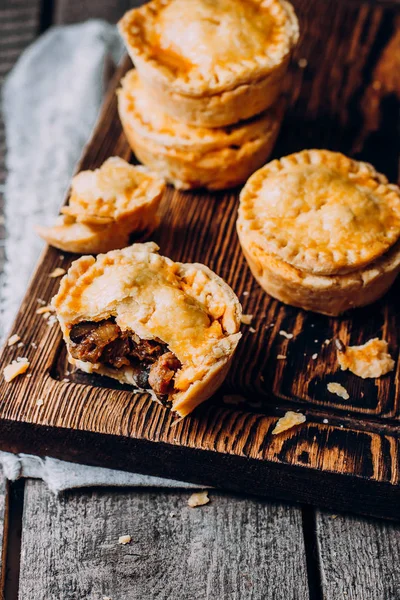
(217, 110)
(328, 295)
(193, 167)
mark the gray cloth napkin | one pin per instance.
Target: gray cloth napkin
(50, 103)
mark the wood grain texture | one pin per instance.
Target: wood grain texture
(19, 23)
(359, 558)
(232, 548)
(346, 98)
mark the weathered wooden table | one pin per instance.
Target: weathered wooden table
(236, 547)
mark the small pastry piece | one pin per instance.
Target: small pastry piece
(165, 327)
(194, 157)
(105, 207)
(211, 63)
(290, 419)
(321, 231)
(372, 359)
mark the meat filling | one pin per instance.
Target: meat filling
(153, 365)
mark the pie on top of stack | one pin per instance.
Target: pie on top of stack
(212, 62)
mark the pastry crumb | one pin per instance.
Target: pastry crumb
(289, 420)
(315, 356)
(198, 499)
(252, 330)
(326, 342)
(13, 339)
(34, 345)
(41, 301)
(246, 319)
(124, 539)
(52, 320)
(325, 421)
(246, 293)
(39, 402)
(45, 309)
(17, 367)
(285, 334)
(302, 63)
(369, 360)
(58, 272)
(338, 389)
(233, 399)
(281, 357)
(20, 344)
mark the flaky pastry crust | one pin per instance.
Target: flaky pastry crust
(105, 207)
(193, 157)
(211, 63)
(321, 231)
(186, 306)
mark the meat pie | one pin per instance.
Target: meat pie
(164, 327)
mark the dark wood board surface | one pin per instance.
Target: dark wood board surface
(351, 462)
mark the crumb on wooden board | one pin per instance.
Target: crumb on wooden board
(338, 389)
(17, 367)
(290, 419)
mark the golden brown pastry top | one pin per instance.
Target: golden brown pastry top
(321, 212)
(186, 306)
(157, 126)
(210, 45)
(110, 192)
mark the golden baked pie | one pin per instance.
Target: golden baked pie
(194, 157)
(321, 231)
(211, 63)
(164, 327)
(105, 207)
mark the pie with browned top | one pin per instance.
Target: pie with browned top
(211, 62)
(161, 326)
(106, 206)
(321, 231)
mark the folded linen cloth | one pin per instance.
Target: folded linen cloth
(50, 103)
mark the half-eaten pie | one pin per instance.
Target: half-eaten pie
(194, 157)
(321, 231)
(211, 63)
(106, 207)
(164, 327)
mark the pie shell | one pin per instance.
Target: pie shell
(194, 157)
(218, 110)
(229, 91)
(204, 366)
(106, 220)
(327, 293)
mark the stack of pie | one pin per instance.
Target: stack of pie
(203, 107)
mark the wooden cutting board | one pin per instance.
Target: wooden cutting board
(343, 94)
